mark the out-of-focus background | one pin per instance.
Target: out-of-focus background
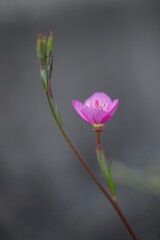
(107, 45)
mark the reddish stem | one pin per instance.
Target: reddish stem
(108, 196)
(113, 201)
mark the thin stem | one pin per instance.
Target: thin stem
(107, 195)
(115, 205)
(98, 139)
(101, 158)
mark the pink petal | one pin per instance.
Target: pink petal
(78, 107)
(101, 97)
(114, 107)
(97, 109)
(94, 115)
(106, 118)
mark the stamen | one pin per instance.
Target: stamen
(96, 103)
(101, 107)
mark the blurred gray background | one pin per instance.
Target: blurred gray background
(107, 45)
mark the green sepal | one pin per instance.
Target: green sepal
(111, 180)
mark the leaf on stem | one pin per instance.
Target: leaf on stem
(59, 117)
(102, 162)
(111, 180)
(44, 79)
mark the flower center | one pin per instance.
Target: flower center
(96, 104)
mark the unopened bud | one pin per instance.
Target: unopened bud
(44, 40)
(40, 46)
(50, 43)
(44, 52)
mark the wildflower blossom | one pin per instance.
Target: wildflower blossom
(97, 109)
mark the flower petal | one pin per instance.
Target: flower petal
(114, 107)
(106, 118)
(97, 109)
(94, 115)
(101, 97)
(78, 107)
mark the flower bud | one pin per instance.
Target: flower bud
(50, 43)
(44, 40)
(40, 46)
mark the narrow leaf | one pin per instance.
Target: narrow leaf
(44, 78)
(111, 180)
(59, 117)
(44, 84)
(102, 162)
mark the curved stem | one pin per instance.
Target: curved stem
(107, 195)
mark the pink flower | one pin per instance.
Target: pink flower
(97, 109)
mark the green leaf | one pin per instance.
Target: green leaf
(111, 180)
(59, 117)
(44, 78)
(44, 84)
(102, 162)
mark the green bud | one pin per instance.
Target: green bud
(44, 40)
(40, 46)
(44, 53)
(50, 43)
